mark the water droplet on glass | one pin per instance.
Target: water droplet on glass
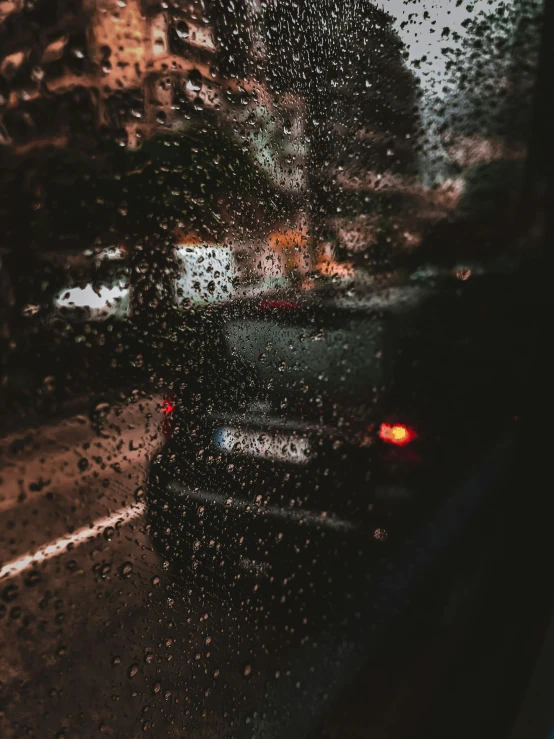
(83, 464)
(10, 593)
(126, 569)
(182, 30)
(99, 411)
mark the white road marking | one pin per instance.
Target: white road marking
(59, 546)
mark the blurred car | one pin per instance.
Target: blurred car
(328, 423)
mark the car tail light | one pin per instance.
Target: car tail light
(168, 407)
(397, 433)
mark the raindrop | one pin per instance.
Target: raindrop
(126, 569)
(99, 411)
(194, 81)
(10, 593)
(33, 578)
(182, 30)
(49, 385)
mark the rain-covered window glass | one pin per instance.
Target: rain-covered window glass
(267, 305)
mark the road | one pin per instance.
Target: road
(98, 635)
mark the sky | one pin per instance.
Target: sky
(427, 27)
(420, 25)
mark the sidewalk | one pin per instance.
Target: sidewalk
(14, 424)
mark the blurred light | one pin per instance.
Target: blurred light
(104, 300)
(396, 433)
(111, 253)
(167, 407)
(464, 273)
(277, 446)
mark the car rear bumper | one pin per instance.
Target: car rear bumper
(197, 498)
(195, 522)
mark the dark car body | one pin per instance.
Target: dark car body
(329, 422)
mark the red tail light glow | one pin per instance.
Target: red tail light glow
(396, 433)
(167, 407)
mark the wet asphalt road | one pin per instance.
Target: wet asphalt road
(98, 636)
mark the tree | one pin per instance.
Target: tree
(347, 60)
